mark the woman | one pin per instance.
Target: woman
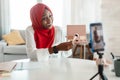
(42, 37)
(96, 36)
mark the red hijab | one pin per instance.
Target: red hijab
(44, 38)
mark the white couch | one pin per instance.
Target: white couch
(12, 52)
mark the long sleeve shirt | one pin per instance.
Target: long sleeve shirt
(43, 53)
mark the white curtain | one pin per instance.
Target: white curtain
(85, 12)
(80, 12)
(4, 17)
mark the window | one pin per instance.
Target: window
(20, 13)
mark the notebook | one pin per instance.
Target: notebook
(6, 67)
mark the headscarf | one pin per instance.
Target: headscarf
(44, 38)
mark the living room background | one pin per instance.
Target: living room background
(77, 12)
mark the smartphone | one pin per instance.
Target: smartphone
(96, 37)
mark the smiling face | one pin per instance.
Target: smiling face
(47, 19)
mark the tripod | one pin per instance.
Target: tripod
(100, 68)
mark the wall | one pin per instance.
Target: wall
(111, 24)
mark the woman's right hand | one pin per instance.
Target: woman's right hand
(65, 46)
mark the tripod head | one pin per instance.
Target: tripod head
(100, 55)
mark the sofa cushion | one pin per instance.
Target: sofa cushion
(14, 38)
(15, 49)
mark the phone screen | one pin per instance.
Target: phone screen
(96, 37)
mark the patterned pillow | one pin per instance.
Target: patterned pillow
(13, 38)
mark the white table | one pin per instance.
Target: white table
(58, 69)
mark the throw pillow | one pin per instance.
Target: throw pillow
(13, 38)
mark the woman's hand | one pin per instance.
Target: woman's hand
(65, 46)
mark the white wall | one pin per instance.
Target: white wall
(111, 22)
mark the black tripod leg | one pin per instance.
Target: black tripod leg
(94, 76)
(100, 71)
